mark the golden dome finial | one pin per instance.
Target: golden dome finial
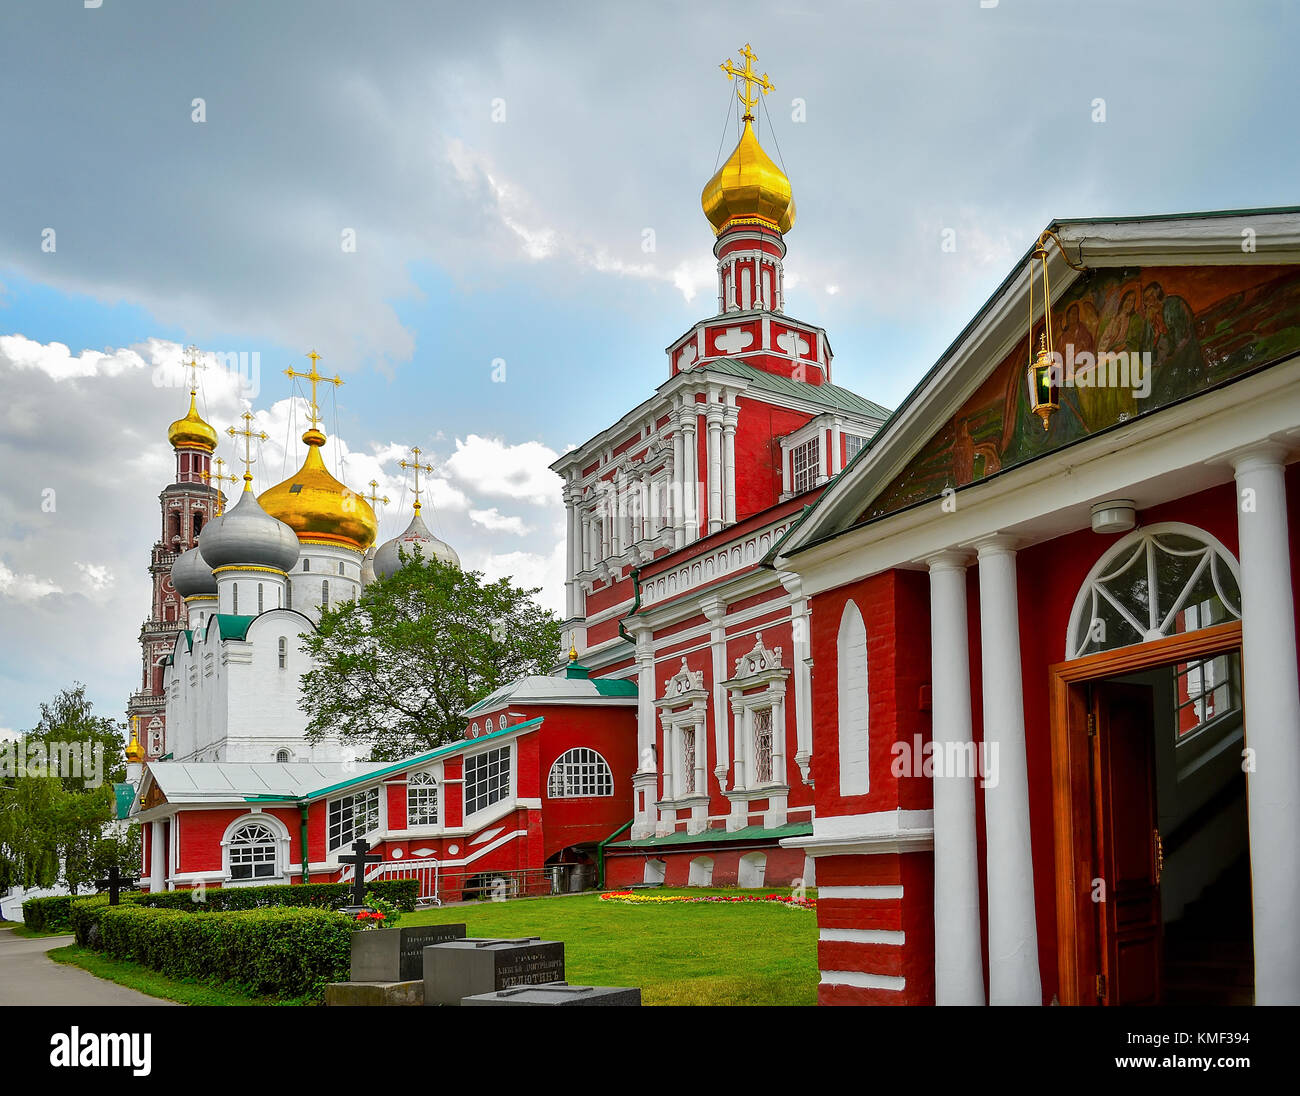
(248, 434)
(415, 455)
(134, 751)
(573, 646)
(192, 432)
(749, 188)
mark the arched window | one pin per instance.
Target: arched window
(288, 595)
(259, 597)
(421, 800)
(854, 741)
(306, 564)
(234, 597)
(198, 522)
(579, 772)
(284, 652)
(752, 869)
(701, 872)
(325, 594)
(489, 726)
(1158, 581)
(253, 852)
(340, 567)
(282, 756)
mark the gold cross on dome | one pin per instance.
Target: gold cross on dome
(374, 498)
(315, 379)
(748, 77)
(220, 478)
(248, 434)
(418, 469)
(193, 366)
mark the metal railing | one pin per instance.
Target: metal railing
(438, 886)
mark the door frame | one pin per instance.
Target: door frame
(1072, 789)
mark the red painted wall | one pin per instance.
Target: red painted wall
(758, 454)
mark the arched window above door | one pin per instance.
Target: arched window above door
(1159, 581)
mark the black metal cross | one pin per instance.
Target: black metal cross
(360, 848)
(114, 883)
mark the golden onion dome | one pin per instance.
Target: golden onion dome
(192, 432)
(749, 187)
(134, 751)
(317, 507)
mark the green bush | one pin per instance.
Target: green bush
(53, 914)
(281, 952)
(402, 893)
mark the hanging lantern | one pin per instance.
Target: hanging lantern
(1043, 375)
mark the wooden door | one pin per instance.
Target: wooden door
(1125, 819)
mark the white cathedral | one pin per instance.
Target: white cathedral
(256, 580)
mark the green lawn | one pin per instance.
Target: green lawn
(19, 929)
(141, 978)
(678, 953)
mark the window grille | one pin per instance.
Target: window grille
(763, 745)
(688, 760)
(487, 779)
(806, 465)
(353, 816)
(252, 852)
(580, 772)
(421, 800)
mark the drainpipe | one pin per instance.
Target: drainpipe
(600, 853)
(306, 873)
(636, 604)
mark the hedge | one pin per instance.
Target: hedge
(281, 952)
(402, 893)
(54, 914)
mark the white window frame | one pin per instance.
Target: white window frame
(279, 835)
(506, 791)
(335, 844)
(422, 785)
(583, 768)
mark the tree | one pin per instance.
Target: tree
(395, 668)
(56, 796)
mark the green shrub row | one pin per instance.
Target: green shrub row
(280, 952)
(402, 893)
(54, 914)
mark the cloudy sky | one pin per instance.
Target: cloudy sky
(486, 218)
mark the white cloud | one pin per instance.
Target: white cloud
(528, 570)
(25, 587)
(96, 575)
(496, 522)
(490, 467)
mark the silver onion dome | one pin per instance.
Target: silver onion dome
(246, 535)
(416, 539)
(191, 575)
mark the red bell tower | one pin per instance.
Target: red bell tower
(187, 504)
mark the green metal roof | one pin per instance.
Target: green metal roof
(123, 797)
(711, 837)
(231, 626)
(615, 686)
(831, 396)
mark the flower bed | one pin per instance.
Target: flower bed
(790, 901)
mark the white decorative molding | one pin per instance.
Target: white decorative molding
(685, 680)
(702, 569)
(758, 661)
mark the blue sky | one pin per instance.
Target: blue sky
(499, 166)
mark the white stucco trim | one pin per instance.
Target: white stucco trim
(882, 892)
(891, 937)
(863, 980)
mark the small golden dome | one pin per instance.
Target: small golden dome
(134, 751)
(749, 187)
(317, 507)
(192, 432)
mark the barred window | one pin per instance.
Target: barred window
(763, 745)
(259, 598)
(325, 594)
(284, 652)
(353, 816)
(805, 465)
(252, 852)
(421, 800)
(487, 779)
(688, 760)
(579, 772)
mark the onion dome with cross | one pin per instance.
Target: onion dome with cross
(416, 540)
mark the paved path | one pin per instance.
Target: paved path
(28, 977)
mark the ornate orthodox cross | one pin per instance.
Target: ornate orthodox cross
(415, 453)
(375, 498)
(315, 379)
(749, 80)
(359, 857)
(114, 883)
(220, 478)
(248, 434)
(193, 366)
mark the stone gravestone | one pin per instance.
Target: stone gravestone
(466, 968)
(397, 955)
(559, 993)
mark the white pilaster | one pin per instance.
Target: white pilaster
(732, 416)
(645, 781)
(157, 857)
(1272, 703)
(715, 610)
(715, 469)
(1013, 931)
(677, 496)
(958, 972)
(690, 474)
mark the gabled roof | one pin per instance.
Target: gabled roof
(830, 396)
(231, 626)
(572, 688)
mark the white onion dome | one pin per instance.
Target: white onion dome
(247, 536)
(192, 576)
(416, 540)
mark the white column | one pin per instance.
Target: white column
(1272, 708)
(690, 474)
(646, 778)
(573, 556)
(678, 492)
(1013, 931)
(715, 469)
(157, 858)
(586, 543)
(715, 610)
(958, 972)
(729, 465)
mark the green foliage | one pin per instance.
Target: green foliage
(391, 913)
(400, 893)
(53, 914)
(394, 669)
(281, 952)
(52, 826)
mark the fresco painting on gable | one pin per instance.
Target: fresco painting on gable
(1196, 327)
